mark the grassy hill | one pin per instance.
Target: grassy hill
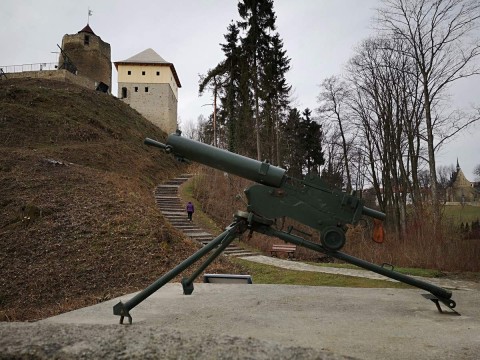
(78, 222)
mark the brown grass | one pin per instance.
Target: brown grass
(78, 221)
(445, 249)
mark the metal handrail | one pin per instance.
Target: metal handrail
(29, 67)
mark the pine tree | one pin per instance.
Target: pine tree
(275, 92)
(303, 143)
(312, 142)
(258, 20)
(250, 85)
(294, 149)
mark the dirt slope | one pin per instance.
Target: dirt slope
(78, 222)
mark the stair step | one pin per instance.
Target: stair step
(186, 227)
(197, 233)
(236, 253)
(183, 213)
(172, 207)
(241, 254)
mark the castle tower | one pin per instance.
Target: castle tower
(150, 85)
(89, 54)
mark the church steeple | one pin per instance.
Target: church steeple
(458, 166)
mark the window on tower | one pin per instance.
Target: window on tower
(158, 73)
(136, 88)
(124, 92)
(143, 72)
(86, 40)
(146, 88)
(129, 72)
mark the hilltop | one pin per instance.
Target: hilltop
(78, 221)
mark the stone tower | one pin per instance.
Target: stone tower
(150, 85)
(90, 55)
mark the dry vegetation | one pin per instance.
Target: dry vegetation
(78, 222)
(447, 250)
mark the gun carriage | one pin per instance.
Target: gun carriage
(275, 195)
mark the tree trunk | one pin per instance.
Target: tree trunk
(431, 151)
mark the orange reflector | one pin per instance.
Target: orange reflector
(378, 231)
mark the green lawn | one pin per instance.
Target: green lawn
(267, 274)
(461, 214)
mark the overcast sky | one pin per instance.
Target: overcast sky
(319, 37)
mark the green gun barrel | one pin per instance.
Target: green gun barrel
(373, 213)
(258, 171)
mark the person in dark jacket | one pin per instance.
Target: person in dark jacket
(190, 210)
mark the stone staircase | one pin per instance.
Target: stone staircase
(167, 199)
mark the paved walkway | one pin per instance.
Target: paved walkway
(300, 266)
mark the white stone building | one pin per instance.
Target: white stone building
(150, 85)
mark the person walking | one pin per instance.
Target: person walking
(190, 210)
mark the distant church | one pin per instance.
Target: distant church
(460, 189)
(150, 85)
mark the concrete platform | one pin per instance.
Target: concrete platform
(358, 323)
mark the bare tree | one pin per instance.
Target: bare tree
(214, 81)
(334, 159)
(444, 177)
(190, 130)
(476, 171)
(385, 108)
(333, 102)
(438, 34)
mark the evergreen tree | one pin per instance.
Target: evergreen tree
(275, 92)
(332, 177)
(312, 142)
(303, 143)
(250, 85)
(294, 149)
(230, 101)
(258, 20)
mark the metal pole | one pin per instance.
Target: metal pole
(433, 289)
(187, 283)
(123, 309)
(215, 116)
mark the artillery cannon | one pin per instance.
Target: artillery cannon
(275, 195)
